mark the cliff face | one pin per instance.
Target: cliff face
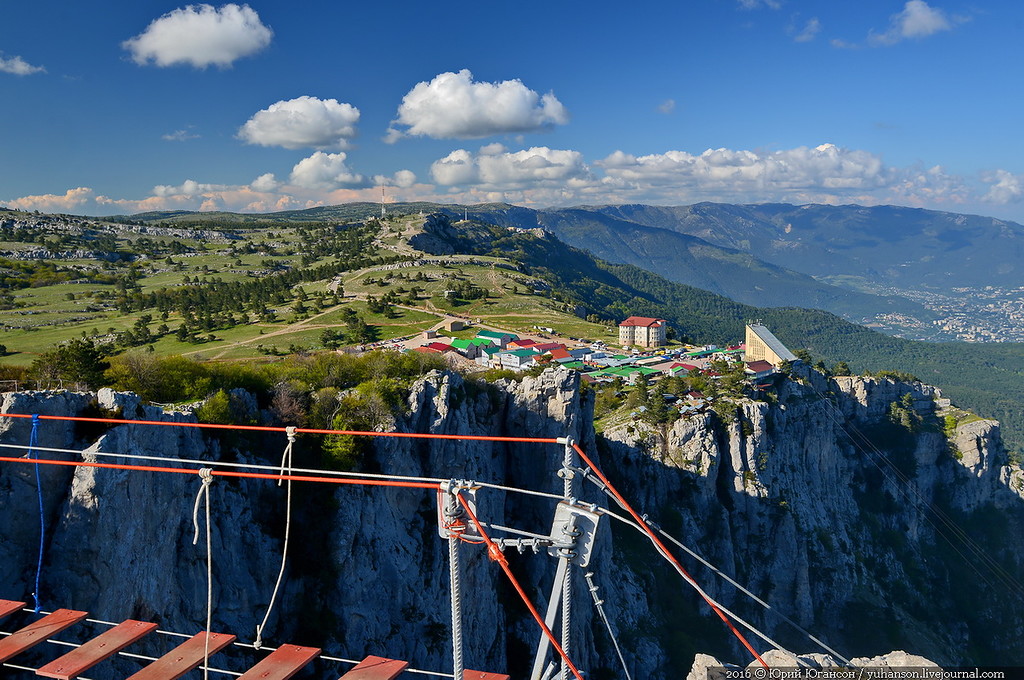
(794, 498)
(869, 535)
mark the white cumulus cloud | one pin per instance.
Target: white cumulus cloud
(454, 106)
(187, 188)
(17, 66)
(69, 201)
(458, 167)
(728, 171)
(324, 171)
(917, 20)
(502, 170)
(200, 36)
(265, 183)
(304, 122)
(403, 179)
(1005, 187)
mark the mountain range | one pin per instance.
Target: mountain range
(985, 377)
(900, 270)
(872, 265)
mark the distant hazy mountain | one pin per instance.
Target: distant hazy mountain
(850, 260)
(695, 261)
(853, 245)
(849, 245)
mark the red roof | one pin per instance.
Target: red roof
(524, 343)
(759, 366)
(439, 347)
(645, 321)
(426, 350)
(688, 367)
(548, 346)
(560, 353)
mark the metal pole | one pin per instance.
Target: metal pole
(549, 619)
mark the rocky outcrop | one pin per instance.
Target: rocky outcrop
(817, 500)
(810, 499)
(703, 663)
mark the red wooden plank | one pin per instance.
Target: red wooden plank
(480, 675)
(376, 668)
(283, 663)
(99, 648)
(34, 633)
(184, 657)
(9, 607)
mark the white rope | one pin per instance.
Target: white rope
(206, 474)
(286, 463)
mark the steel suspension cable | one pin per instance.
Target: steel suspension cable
(665, 552)
(227, 473)
(300, 430)
(715, 570)
(743, 590)
(253, 466)
(599, 604)
(903, 483)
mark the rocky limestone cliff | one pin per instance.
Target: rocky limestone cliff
(870, 536)
(783, 497)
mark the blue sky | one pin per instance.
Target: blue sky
(269, 105)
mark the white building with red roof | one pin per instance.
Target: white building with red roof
(642, 331)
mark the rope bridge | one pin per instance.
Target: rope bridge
(455, 503)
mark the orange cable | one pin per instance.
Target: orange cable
(300, 430)
(665, 551)
(494, 552)
(227, 473)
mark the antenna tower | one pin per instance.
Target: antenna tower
(382, 201)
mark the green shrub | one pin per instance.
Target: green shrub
(216, 409)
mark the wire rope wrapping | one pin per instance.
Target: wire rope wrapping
(566, 618)
(599, 604)
(568, 488)
(455, 528)
(286, 466)
(33, 440)
(206, 474)
(456, 587)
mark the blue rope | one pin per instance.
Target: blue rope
(33, 440)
